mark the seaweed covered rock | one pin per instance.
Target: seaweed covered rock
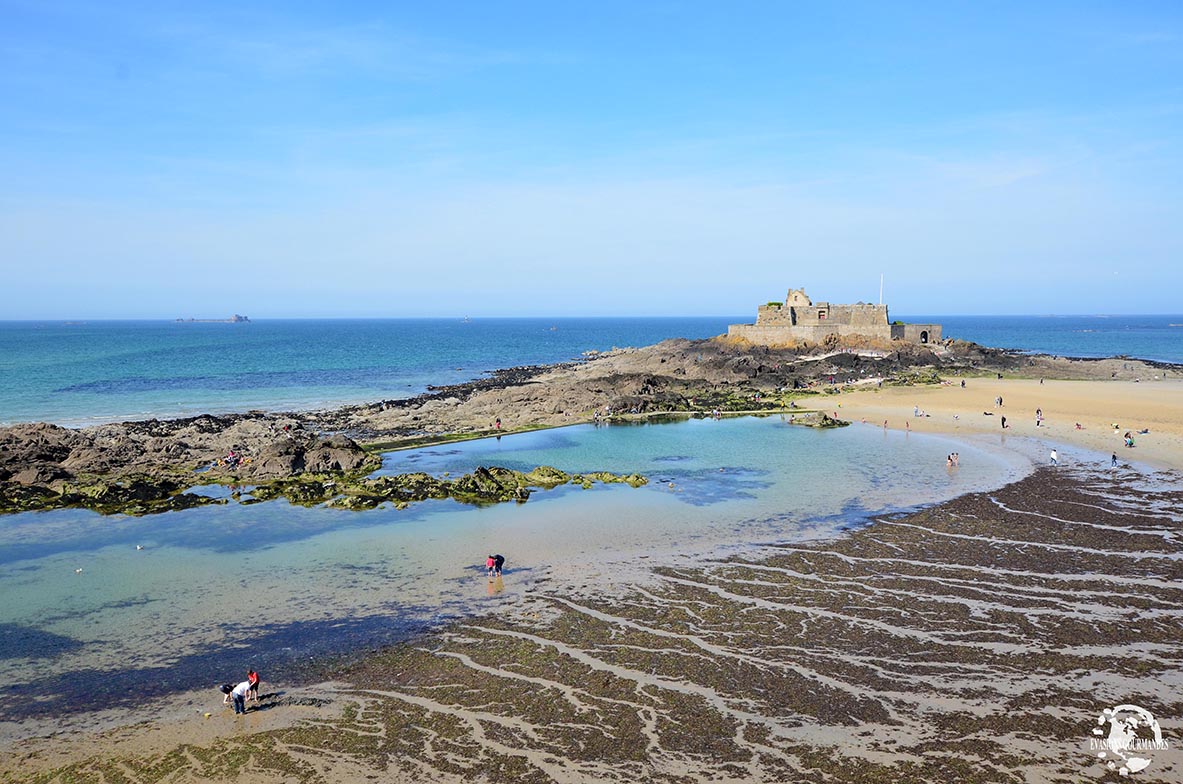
(416, 486)
(486, 485)
(546, 476)
(17, 497)
(132, 495)
(306, 490)
(494, 484)
(819, 420)
(632, 480)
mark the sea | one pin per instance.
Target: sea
(93, 607)
(81, 373)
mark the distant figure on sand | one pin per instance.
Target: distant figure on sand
(1004, 423)
(1055, 458)
(1113, 460)
(490, 564)
(498, 562)
(252, 678)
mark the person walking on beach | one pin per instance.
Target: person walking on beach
(1113, 460)
(1004, 423)
(1055, 458)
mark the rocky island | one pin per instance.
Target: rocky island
(146, 466)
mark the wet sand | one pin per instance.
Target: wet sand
(974, 641)
(1154, 403)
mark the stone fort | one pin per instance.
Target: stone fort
(800, 319)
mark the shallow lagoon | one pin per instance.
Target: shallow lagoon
(218, 589)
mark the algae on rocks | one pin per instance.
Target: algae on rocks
(135, 495)
(484, 486)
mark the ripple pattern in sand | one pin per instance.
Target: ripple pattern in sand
(973, 641)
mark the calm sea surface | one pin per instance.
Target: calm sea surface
(272, 586)
(82, 373)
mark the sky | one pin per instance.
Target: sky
(404, 159)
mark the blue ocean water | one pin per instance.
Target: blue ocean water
(84, 373)
(1158, 338)
(102, 371)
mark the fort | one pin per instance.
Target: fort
(799, 319)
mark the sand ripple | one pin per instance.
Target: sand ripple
(974, 641)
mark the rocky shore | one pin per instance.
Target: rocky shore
(147, 466)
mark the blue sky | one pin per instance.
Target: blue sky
(519, 158)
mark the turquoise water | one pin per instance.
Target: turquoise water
(219, 589)
(77, 374)
(104, 371)
(1158, 338)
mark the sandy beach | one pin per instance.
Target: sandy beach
(1105, 411)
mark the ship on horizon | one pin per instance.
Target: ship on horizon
(235, 319)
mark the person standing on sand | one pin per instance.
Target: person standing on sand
(1113, 460)
(1004, 423)
(498, 562)
(252, 678)
(1055, 458)
(490, 564)
(239, 695)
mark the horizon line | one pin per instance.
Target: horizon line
(567, 317)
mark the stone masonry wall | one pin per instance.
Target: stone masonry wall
(772, 335)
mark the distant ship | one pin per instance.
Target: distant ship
(235, 319)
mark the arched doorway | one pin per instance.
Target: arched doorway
(924, 336)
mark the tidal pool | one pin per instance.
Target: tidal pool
(218, 589)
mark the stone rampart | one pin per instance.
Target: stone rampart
(799, 319)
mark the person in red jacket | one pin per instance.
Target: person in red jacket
(252, 678)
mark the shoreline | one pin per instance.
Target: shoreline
(1062, 401)
(145, 467)
(921, 623)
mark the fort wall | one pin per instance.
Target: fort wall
(799, 319)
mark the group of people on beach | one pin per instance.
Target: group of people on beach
(244, 692)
